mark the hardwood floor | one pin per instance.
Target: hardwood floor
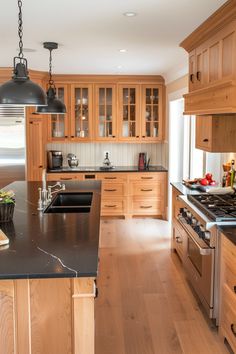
(145, 305)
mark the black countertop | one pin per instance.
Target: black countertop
(183, 189)
(50, 245)
(116, 169)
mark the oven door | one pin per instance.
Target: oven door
(199, 265)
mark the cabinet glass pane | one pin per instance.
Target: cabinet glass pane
(58, 120)
(81, 112)
(105, 112)
(129, 112)
(151, 112)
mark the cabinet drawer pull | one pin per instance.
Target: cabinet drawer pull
(113, 136)
(205, 140)
(65, 178)
(233, 329)
(110, 190)
(191, 78)
(145, 206)
(137, 136)
(146, 177)
(66, 136)
(235, 289)
(110, 177)
(89, 176)
(40, 166)
(143, 136)
(72, 136)
(198, 76)
(110, 206)
(146, 190)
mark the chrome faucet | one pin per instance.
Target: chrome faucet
(45, 196)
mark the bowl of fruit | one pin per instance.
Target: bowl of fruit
(207, 182)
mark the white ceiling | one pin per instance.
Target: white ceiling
(91, 32)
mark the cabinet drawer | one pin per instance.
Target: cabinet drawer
(228, 317)
(62, 176)
(146, 177)
(147, 189)
(112, 189)
(147, 206)
(112, 177)
(112, 206)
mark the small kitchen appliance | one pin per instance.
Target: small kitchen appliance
(55, 159)
(72, 160)
(143, 161)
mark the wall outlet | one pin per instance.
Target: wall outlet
(107, 152)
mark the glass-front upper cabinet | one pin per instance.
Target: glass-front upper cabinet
(81, 115)
(105, 112)
(151, 112)
(129, 125)
(58, 123)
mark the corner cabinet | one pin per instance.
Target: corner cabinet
(58, 124)
(212, 66)
(105, 128)
(81, 112)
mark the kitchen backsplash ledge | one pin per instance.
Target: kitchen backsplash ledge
(92, 154)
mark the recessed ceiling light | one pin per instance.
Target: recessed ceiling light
(122, 50)
(130, 14)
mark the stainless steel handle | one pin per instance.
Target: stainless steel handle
(202, 251)
(145, 206)
(110, 190)
(146, 190)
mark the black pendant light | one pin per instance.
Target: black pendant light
(21, 91)
(54, 105)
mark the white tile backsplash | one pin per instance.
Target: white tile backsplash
(92, 154)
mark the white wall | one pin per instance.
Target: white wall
(92, 154)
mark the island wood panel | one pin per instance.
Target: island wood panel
(42, 316)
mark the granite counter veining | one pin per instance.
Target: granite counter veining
(50, 245)
(96, 169)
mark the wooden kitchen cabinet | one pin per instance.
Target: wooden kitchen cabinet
(105, 125)
(36, 127)
(81, 126)
(129, 112)
(59, 124)
(227, 324)
(216, 133)
(212, 66)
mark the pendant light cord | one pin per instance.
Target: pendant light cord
(20, 30)
(51, 81)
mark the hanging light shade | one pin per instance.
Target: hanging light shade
(54, 105)
(20, 90)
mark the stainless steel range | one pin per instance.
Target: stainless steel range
(199, 216)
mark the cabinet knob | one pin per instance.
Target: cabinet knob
(143, 136)
(205, 140)
(137, 136)
(191, 77)
(72, 136)
(40, 166)
(113, 136)
(66, 136)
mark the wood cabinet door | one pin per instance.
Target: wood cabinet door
(129, 112)
(228, 52)
(58, 124)
(105, 101)
(192, 70)
(81, 128)
(36, 128)
(202, 67)
(152, 113)
(204, 132)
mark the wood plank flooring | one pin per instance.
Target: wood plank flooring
(145, 305)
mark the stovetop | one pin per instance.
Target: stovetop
(219, 208)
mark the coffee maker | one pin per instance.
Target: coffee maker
(55, 159)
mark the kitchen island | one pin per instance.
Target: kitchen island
(47, 275)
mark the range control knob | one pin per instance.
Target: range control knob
(193, 221)
(197, 227)
(183, 212)
(207, 235)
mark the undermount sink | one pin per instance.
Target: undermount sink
(70, 202)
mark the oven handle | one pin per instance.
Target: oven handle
(202, 251)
